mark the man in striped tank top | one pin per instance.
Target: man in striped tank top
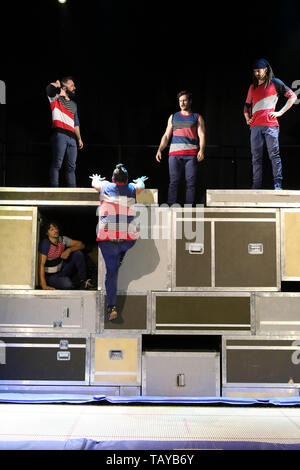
(187, 130)
(65, 130)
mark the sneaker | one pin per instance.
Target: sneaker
(121, 259)
(87, 285)
(112, 313)
(277, 186)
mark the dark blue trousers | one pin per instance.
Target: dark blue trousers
(261, 135)
(72, 271)
(63, 147)
(112, 253)
(177, 165)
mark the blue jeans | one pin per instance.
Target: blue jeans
(62, 147)
(270, 136)
(73, 267)
(178, 164)
(112, 253)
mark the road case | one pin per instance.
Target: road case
(206, 312)
(277, 313)
(240, 249)
(28, 310)
(180, 373)
(18, 247)
(147, 265)
(261, 360)
(63, 196)
(252, 198)
(134, 312)
(116, 360)
(44, 359)
(290, 247)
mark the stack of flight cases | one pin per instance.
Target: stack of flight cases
(201, 312)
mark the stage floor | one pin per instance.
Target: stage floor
(44, 423)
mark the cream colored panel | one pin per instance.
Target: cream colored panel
(292, 244)
(17, 247)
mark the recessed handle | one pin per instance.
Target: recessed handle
(180, 380)
(116, 354)
(255, 248)
(196, 248)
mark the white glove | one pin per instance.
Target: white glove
(140, 181)
(96, 179)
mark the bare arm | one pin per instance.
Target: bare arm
(201, 134)
(75, 246)
(165, 139)
(43, 283)
(78, 136)
(287, 106)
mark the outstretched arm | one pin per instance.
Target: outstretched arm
(97, 182)
(139, 184)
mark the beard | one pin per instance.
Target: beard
(71, 94)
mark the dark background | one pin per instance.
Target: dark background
(129, 59)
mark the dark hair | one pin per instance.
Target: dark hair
(47, 224)
(65, 79)
(120, 174)
(184, 92)
(269, 77)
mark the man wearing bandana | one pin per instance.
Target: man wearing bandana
(65, 130)
(260, 115)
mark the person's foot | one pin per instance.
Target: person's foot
(86, 285)
(121, 259)
(112, 313)
(277, 186)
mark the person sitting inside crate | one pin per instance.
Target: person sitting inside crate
(62, 263)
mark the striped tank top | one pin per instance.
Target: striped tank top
(116, 218)
(185, 140)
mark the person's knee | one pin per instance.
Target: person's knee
(77, 255)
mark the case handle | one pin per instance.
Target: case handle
(196, 248)
(116, 354)
(255, 248)
(180, 380)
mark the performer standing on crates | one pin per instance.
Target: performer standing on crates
(117, 231)
(260, 115)
(187, 130)
(66, 130)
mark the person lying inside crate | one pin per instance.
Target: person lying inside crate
(116, 231)
(62, 263)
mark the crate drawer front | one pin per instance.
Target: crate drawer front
(44, 359)
(202, 312)
(116, 360)
(174, 373)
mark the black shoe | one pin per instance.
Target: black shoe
(112, 313)
(121, 259)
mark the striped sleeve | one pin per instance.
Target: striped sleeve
(282, 89)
